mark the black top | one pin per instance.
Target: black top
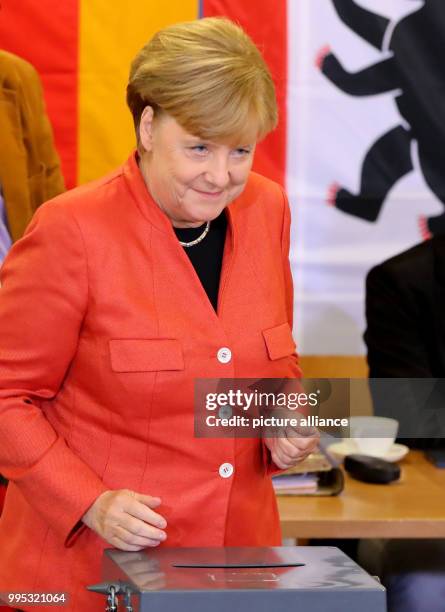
(206, 256)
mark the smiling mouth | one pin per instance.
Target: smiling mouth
(209, 194)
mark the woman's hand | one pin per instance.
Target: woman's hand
(288, 451)
(126, 520)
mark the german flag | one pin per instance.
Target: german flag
(82, 50)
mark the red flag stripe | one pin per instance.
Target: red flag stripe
(46, 34)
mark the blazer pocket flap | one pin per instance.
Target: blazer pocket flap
(279, 341)
(146, 355)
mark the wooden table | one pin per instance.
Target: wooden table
(413, 507)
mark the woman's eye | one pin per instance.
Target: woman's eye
(201, 149)
(241, 152)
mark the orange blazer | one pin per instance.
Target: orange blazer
(104, 326)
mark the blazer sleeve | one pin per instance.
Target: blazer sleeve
(289, 297)
(43, 299)
(40, 134)
(285, 248)
(288, 281)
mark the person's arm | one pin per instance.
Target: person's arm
(40, 135)
(396, 346)
(281, 453)
(43, 299)
(285, 249)
(398, 352)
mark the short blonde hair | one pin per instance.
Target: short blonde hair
(209, 76)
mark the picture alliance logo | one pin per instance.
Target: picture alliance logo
(273, 422)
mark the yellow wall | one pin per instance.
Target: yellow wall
(341, 366)
(334, 366)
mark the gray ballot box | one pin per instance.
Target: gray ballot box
(279, 579)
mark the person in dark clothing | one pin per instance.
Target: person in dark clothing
(405, 337)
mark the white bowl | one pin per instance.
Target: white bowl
(373, 435)
(348, 447)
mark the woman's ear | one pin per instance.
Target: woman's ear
(146, 128)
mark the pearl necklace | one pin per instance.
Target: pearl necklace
(199, 239)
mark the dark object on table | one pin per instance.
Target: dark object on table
(327, 580)
(371, 469)
(436, 456)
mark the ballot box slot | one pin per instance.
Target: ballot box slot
(243, 577)
(235, 565)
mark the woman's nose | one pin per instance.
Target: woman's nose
(218, 173)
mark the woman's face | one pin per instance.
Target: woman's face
(191, 180)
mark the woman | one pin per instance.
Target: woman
(121, 294)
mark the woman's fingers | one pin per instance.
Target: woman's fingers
(280, 458)
(293, 448)
(122, 544)
(141, 511)
(148, 500)
(279, 461)
(141, 529)
(125, 519)
(133, 540)
(286, 452)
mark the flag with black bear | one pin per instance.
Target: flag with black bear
(366, 131)
(414, 72)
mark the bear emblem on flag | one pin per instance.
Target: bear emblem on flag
(412, 67)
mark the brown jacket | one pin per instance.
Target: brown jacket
(29, 164)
